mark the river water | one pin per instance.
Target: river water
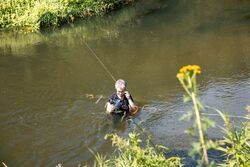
(53, 90)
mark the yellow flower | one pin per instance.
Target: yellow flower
(190, 68)
(180, 76)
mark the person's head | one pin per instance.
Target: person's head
(120, 86)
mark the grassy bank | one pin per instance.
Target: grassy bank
(35, 15)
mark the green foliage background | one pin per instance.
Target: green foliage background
(34, 15)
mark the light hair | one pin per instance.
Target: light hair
(120, 83)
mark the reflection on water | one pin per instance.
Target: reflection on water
(45, 116)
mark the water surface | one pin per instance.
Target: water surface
(45, 117)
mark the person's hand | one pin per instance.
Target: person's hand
(110, 107)
(127, 94)
(113, 108)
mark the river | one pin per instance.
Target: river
(53, 89)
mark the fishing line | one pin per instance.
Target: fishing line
(99, 60)
(137, 125)
(112, 76)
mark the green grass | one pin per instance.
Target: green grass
(130, 152)
(35, 15)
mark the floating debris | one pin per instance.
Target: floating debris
(4, 164)
(92, 96)
(97, 101)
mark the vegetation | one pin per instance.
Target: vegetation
(130, 153)
(34, 15)
(92, 29)
(235, 144)
(187, 77)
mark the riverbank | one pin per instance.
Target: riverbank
(34, 15)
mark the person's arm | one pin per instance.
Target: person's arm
(132, 106)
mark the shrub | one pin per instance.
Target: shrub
(130, 153)
(34, 15)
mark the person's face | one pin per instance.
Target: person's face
(120, 92)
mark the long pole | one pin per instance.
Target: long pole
(100, 61)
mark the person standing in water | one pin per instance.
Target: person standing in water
(121, 102)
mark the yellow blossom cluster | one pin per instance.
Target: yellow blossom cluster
(190, 68)
(194, 69)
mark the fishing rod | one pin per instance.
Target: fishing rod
(113, 78)
(100, 61)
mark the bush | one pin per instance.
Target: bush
(34, 15)
(130, 153)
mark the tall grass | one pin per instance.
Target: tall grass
(235, 143)
(34, 15)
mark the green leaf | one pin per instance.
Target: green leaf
(186, 98)
(187, 116)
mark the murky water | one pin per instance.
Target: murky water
(45, 117)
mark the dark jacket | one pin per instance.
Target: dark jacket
(122, 105)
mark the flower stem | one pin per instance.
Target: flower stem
(198, 121)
